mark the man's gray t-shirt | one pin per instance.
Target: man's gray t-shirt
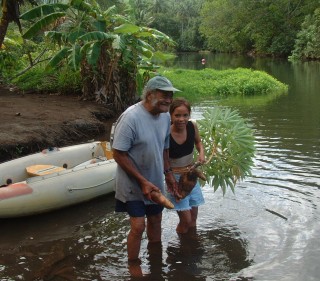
(144, 136)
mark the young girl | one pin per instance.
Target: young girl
(184, 136)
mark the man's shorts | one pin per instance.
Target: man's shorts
(138, 208)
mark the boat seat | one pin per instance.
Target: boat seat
(41, 170)
(106, 147)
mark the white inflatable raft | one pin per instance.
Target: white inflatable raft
(56, 178)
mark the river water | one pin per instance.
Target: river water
(268, 230)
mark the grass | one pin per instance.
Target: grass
(208, 84)
(63, 81)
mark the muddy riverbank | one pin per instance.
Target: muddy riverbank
(32, 122)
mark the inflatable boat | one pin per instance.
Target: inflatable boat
(56, 178)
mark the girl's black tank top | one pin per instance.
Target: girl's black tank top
(179, 150)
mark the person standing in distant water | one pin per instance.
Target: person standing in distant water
(141, 150)
(184, 137)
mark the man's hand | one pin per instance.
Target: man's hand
(173, 186)
(147, 187)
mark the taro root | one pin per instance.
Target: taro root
(188, 180)
(160, 199)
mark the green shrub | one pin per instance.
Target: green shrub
(11, 61)
(199, 85)
(64, 81)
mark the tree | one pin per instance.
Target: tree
(106, 48)
(266, 26)
(10, 13)
(223, 23)
(307, 44)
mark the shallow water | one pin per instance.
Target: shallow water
(268, 230)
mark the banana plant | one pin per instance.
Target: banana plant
(104, 46)
(229, 146)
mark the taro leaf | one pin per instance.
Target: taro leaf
(229, 147)
(145, 45)
(147, 53)
(127, 28)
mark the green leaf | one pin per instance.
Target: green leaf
(72, 37)
(144, 34)
(83, 6)
(96, 36)
(93, 53)
(58, 57)
(110, 11)
(100, 25)
(147, 53)
(41, 24)
(127, 28)
(55, 36)
(225, 134)
(43, 10)
(75, 57)
(145, 45)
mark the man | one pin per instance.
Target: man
(140, 147)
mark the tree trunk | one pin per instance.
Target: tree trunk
(109, 84)
(4, 23)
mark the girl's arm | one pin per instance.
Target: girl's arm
(199, 144)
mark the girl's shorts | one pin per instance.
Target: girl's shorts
(194, 199)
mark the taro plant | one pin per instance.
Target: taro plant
(229, 147)
(104, 46)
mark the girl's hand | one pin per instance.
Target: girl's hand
(201, 159)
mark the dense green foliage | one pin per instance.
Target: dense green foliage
(307, 45)
(208, 83)
(10, 56)
(104, 47)
(229, 147)
(81, 35)
(178, 19)
(268, 27)
(265, 27)
(64, 81)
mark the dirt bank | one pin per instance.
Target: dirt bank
(32, 122)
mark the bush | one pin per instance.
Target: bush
(307, 45)
(64, 81)
(207, 83)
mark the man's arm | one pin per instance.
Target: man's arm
(169, 177)
(123, 160)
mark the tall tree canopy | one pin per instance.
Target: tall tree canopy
(267, 26)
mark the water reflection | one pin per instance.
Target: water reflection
(217, 253)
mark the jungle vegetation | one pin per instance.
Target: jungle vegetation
(105, 50)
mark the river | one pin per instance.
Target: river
(268, 230)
